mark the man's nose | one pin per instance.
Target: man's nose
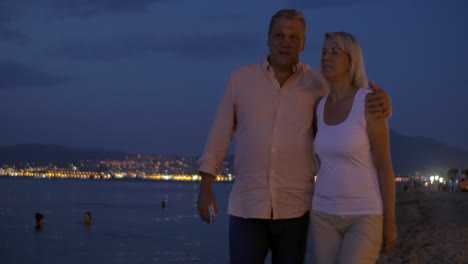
(286, 42)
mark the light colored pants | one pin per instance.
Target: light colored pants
(346, 239)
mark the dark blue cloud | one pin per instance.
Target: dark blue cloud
(10, 10)
(307, 4)
(82, 8)
(11, 35)
(223, 17)
(212, 45)
(89, 8)
(17, 75)
(7, 32)
(196, 45)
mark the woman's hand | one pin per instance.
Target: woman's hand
(389, 236)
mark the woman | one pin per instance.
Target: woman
(353, 208)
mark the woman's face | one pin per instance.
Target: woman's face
(335, 62)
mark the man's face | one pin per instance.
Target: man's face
(286, 42)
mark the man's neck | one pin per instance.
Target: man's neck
(282, 73)
(283, 76)
(281, 69)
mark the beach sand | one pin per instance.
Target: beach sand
(432, 228)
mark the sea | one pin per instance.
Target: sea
(130, 224)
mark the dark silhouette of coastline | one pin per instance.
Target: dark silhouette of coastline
(409, 154)
(42, 154)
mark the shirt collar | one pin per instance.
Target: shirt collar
(267, 66)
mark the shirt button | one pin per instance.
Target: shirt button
(273, 150)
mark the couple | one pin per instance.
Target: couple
(281, 113)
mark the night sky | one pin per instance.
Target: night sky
(145, 76)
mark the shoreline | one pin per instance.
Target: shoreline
(432, 228)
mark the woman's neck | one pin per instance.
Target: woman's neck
(341, 89)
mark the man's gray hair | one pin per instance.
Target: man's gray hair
(288, 14)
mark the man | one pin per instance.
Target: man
(269, 107)
(39, 221)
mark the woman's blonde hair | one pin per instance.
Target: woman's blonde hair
(349, 44)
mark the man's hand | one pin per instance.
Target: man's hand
(206, 198)
(389, 237)
(378, 103)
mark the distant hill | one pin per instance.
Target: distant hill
(39, 153)
(427, 155)
(409, 154)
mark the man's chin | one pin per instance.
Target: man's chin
(284, 62)
(287, 63)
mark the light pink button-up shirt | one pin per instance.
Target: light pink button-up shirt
(272, 128)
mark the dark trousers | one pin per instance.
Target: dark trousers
(250, 239)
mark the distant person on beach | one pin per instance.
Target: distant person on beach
(39, 221)
(353, 208)
(88, 219)
(462, 184)
(461, 175)
(452, 184)
(268, 107)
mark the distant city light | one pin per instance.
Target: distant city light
(150, 168)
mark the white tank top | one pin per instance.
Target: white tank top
(347, 181)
